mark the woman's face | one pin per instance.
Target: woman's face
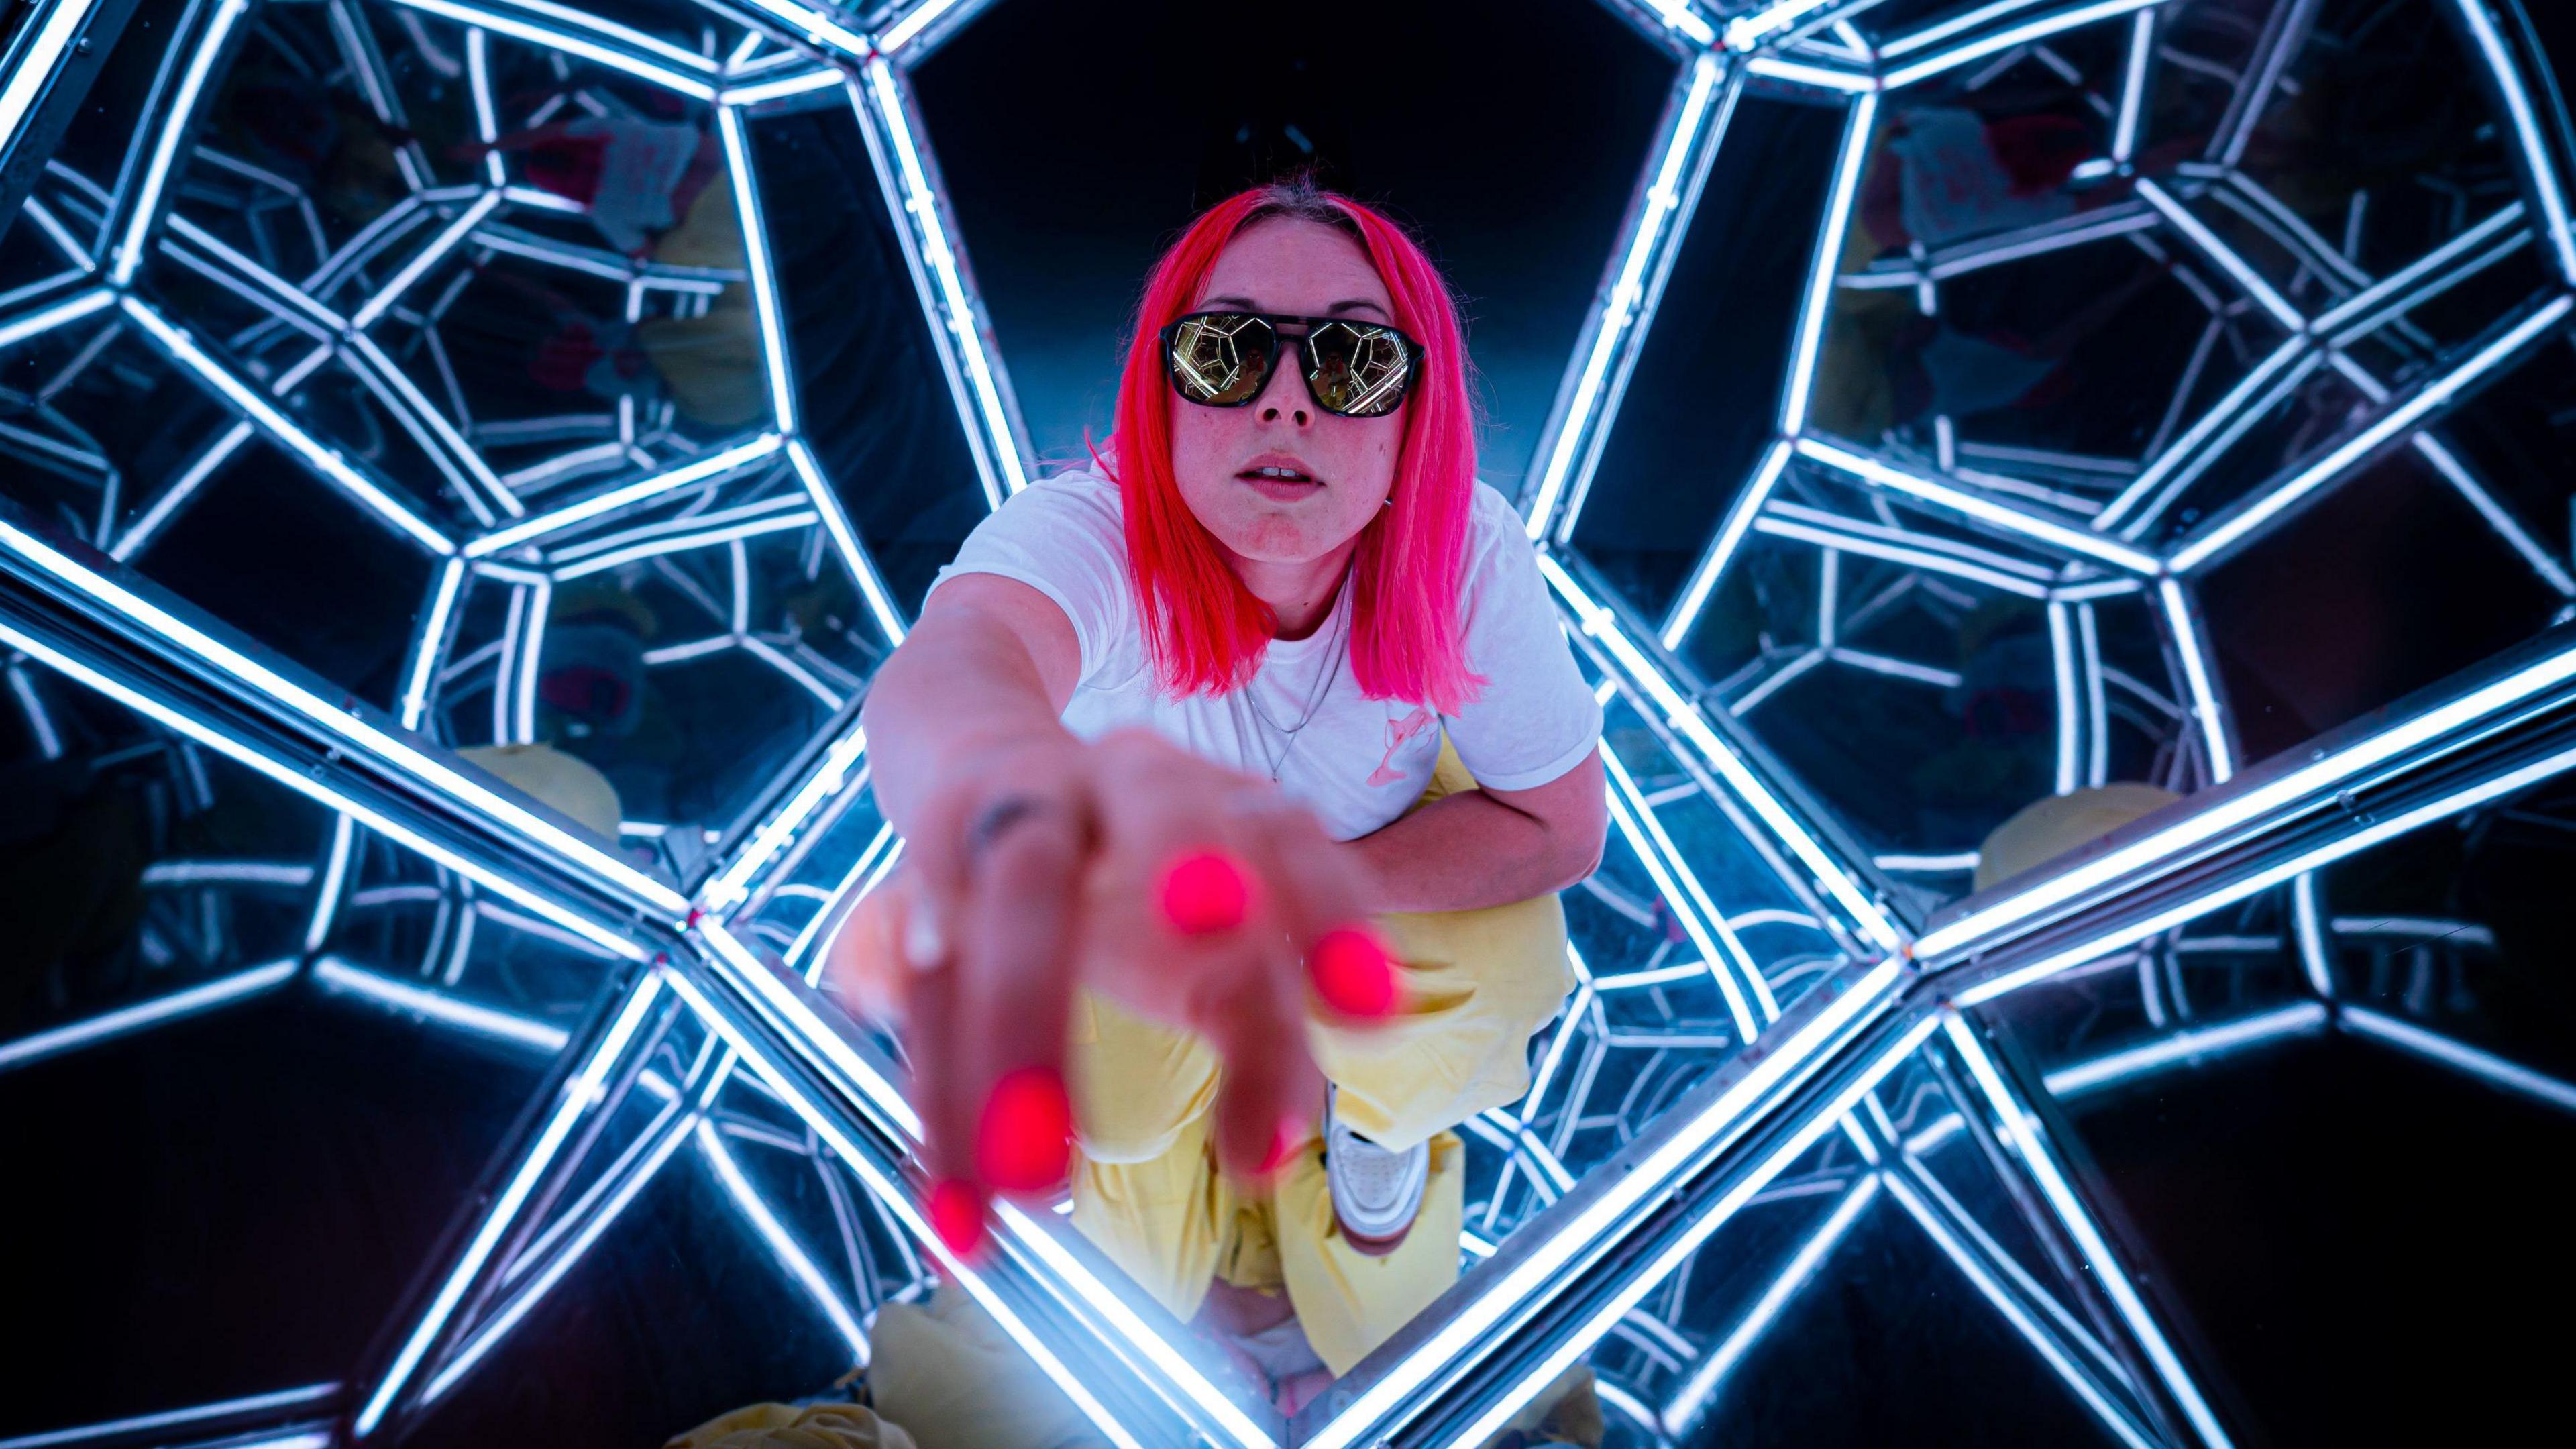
(1302, 269)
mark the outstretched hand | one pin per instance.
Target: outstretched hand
(1192, 894)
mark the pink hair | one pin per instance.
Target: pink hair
(1206, 630)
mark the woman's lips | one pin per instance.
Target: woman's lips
(1281, 488)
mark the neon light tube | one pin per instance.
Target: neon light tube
(126, 1020)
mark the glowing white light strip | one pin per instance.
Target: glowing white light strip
(163, 873)
(828, 780)
(438, 437)
(2032, 1333)
(579, 1093)
(2527, 133)
(1857, 134)
(2205, 704)
(923, 206)
(2133, 86)
(2238, 270)
(572, 43)
(2107, 1270)
(1782, 525)
(1968, 505)
(781, 88)
(895, 1201)
(35, 67)
(1599, 623)
(576, 851)
(1801, 1267)
(2398, 283)
(1721, 549)
(126, 1020)
(478, 80)
(2215, 540)
(1712, 955)
(431, 253)
(2486, 1066)
(2061, 653)
(45, 319)
(1927, 864)
(697, 470)
(681, 543)
(432, 642)
(2002, 40)
(193, 1414)
(2232, 412)
(836, 522)
(1818, 77)
(901, 33)
(49, 743)
(2201, 905)
(205, 51)
(1644, 1281)
(1476, 1317)
(782, 1244)
(817, 28)
(1678, 15)
(1744, 30)
(1933, 34)
(2498, 518)
(769, 654)
(338, 975)
(1661, 200)
(249, 401)
(2094, 1073)
(751, 975)
(764, 283)
(489, 1334)
(2316, 955)
(335, 875)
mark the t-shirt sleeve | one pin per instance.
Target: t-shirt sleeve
(1063, 537)
(1535, 719)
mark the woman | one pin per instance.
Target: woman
(1167, 732)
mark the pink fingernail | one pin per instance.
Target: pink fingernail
(1024, 1140)
(1205, 892)
(957, 1216)
(1353, 973)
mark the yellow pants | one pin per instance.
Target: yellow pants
(1477, 986)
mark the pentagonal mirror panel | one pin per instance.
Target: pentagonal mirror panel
(1063, 208)
(467, 396)
(279, 1052)
(2377, 1052)
(2149, 340)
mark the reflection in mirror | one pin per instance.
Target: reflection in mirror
(2326, 1116)
(1759, 1308)
(2182, 382)
(267, 1052)
(701, 1264)
(465, 394)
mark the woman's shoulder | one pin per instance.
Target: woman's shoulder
(1496, 533)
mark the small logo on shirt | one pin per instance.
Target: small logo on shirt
(1399, 732)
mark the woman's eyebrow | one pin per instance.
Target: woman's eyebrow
(1246, 304)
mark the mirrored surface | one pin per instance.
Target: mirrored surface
(465, 395)
(265, 1055)
(1063, 197)
(2323, 1116)
(2176, 388)
(1881, 1271)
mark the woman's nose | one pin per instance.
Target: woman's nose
(1287, 383)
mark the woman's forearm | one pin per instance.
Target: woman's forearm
(1469, 850)
(963, 685)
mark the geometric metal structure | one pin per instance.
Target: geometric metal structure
(466, 459)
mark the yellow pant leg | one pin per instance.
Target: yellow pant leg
(1145, 1189)
(1477, 986)
(1348, 1302)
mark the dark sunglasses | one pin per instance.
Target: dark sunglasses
(1224, 360)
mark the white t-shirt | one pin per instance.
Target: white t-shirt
(1359, 762)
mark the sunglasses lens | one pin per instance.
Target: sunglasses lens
(1221, 358)
(1360, 370)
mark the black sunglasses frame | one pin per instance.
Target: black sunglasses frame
(1413, 354)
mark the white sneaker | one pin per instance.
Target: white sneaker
(1376, 1193)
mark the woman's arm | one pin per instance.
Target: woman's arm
(985, 673)
(1490, 847)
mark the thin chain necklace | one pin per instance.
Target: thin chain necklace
(1314, 701)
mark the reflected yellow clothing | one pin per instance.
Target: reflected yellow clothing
(1477, 985)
